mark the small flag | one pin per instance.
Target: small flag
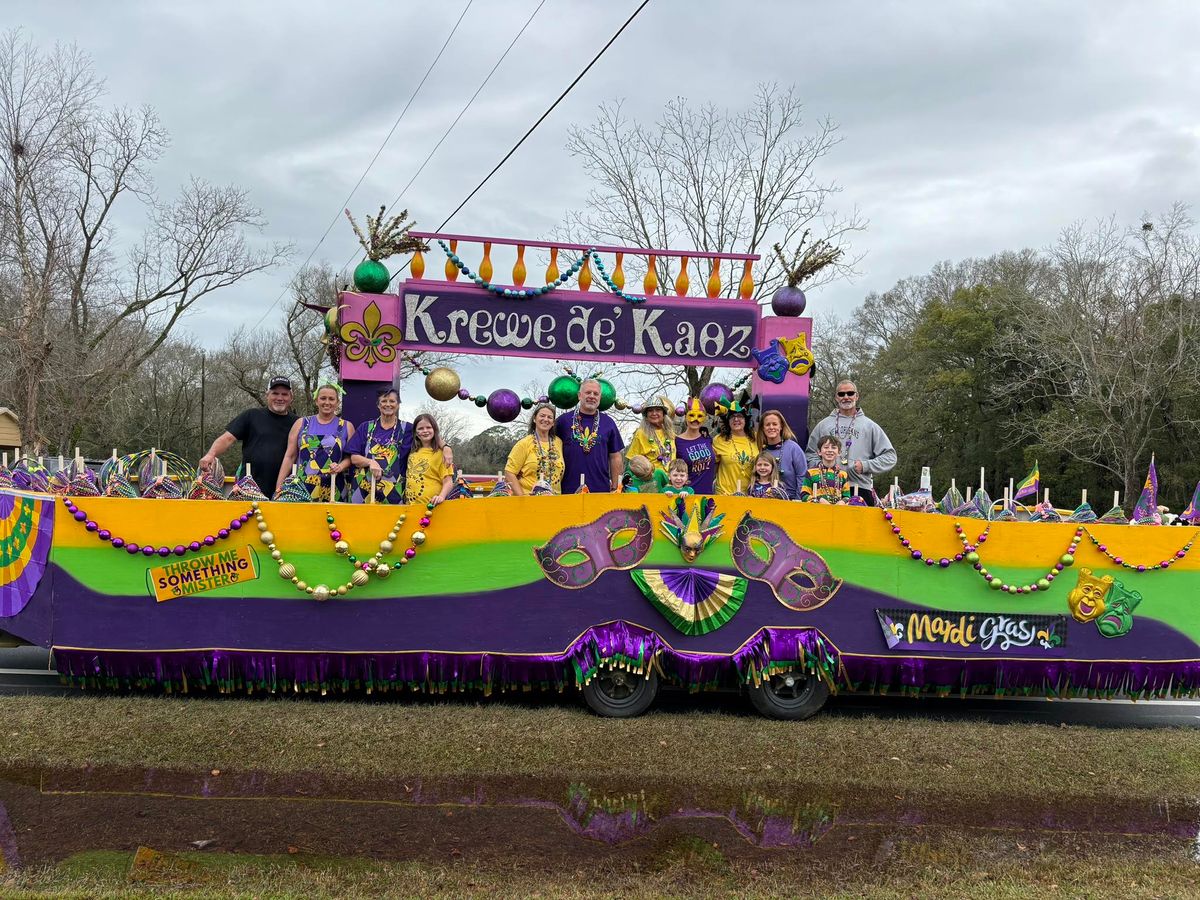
(1029, 485)
(1192, 513)
(1147, 505)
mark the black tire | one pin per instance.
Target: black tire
(618, 694)
(790, 695)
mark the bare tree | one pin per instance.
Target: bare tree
(715, 181)
(79, 318)
(1111, 352)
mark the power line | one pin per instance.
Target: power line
(461, 113)
(367, 170)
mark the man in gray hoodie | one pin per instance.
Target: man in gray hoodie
(866, 450)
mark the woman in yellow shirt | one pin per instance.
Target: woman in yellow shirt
(429, 478)
(655, 436)
(735, 451)
(538, 456)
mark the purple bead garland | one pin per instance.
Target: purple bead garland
(133, 548)
(1142, 567)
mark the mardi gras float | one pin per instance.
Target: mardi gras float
(611, 594)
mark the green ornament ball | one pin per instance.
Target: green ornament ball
(526, 403)
(371, 277)
(563, 392)
(608, 394)
(1012, 588)
(481, 401)
(994, 584)
(1043, 584)
(1067, 559)
(972, 557)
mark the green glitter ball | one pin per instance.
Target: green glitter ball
(608, 395)
(481, 401)
(564, 392)
(526, 403)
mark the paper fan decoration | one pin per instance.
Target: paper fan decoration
(694, 601)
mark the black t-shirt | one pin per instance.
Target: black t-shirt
(264, 442)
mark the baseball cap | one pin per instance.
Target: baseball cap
(279, 381)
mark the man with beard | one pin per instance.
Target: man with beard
(263, 433)
(866, 450)
(591, 445)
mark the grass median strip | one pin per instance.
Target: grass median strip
(962, 759)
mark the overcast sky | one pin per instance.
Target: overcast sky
(968, 128)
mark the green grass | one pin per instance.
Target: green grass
(962, 759)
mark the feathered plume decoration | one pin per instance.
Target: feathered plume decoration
(692, 530)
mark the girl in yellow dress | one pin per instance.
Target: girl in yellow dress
(655, 436)
(429, 477)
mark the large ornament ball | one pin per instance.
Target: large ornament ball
(788, 301)
(608, 394)
(418, 537)
(359, 578)
(713, 394)
(503, 405)
(563, 392)
(287, 571)
(267, 537)
(442, 383)
(341, 548)
(371, 277)
(321, 593)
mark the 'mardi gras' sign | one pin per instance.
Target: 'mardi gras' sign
(462, 318)
(939, 630)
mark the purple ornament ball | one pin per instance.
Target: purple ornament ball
(464, 394)
(713, 394)
(503, 405)
(788, 301)
(680, 409)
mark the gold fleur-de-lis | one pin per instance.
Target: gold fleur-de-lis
(369, 341)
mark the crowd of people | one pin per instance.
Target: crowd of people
(727, 452)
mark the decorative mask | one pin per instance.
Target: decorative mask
(772, 364)
(594, 543)
(799, 577)
(795, 351)
(1086, 599)
(1117, 619)
(692, 531)
(695, 414)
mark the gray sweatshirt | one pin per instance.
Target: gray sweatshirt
(867, 442)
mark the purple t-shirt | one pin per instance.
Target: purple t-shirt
(698, 454)
(592, 465)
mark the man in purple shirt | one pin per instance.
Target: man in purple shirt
(591, 445)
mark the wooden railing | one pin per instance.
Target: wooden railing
(657, 262)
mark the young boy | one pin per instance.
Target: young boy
(826, 482)
(677, 475)
(645, 477)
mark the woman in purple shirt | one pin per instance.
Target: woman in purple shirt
(776, 438)
(696, 449)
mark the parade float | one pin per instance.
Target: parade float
(178, 587)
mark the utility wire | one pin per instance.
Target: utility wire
(457, 118)
(374, 159)
(533, 127)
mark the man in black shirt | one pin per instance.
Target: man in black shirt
(263, 433)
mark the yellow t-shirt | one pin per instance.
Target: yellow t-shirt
(426, 469)
(524, 457)
(641, 446)
(735, 461)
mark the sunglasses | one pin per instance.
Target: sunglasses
(846, 393)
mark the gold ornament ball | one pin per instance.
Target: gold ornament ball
(301, 585)
(341, 548)
(621, 404)
(403, 518)
(383, 570)
(321, 593)
(385, 546)
(262, 525)
(359, 578)
(418, 537)
(442, 383)
(392, 535)
(267, 538)
(287, 571)
(342, 589)
(276, 555)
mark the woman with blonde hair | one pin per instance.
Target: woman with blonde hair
(655, 436)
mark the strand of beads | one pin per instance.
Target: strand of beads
(375, 564)
(969, 549)
(287, 571)
(1156, 567)
(131, 547)
(996, 583)
(512, 293)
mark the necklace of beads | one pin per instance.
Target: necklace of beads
(969, 551)
(585, 437)
(132, 547)
(1154, 567)
(375, 564)
(528, 293)
(362, 572)
(849, 441)
(546, 459)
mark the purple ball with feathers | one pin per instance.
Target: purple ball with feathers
(788, 301)
(713, 394)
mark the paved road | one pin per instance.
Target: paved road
(26, 670)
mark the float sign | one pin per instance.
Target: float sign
(198, 574)
(964, 632)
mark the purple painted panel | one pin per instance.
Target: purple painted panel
(462, 318)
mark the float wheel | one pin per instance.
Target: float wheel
(618, 694)
(790, 695)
